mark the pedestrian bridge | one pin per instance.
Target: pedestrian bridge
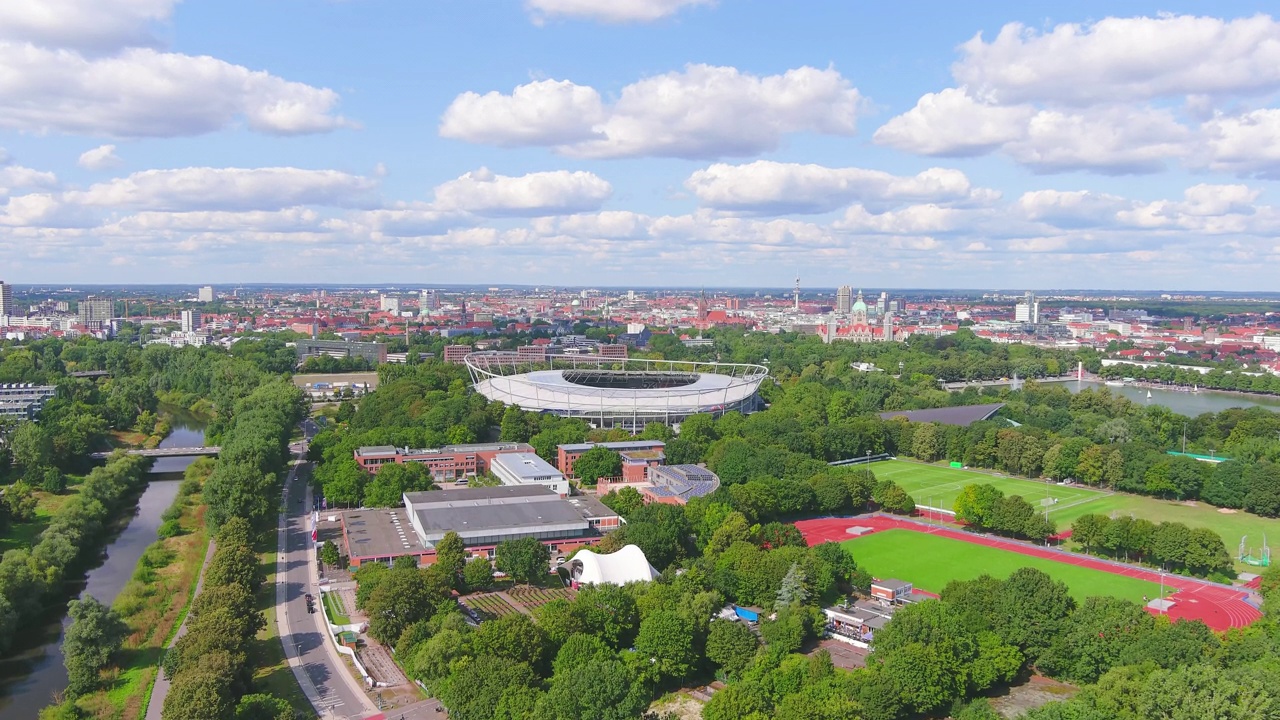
(165, 452)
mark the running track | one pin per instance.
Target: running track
(1218, 606)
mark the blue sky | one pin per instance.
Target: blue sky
(640, 142)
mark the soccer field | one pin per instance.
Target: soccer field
(938, 487)
(931, 561)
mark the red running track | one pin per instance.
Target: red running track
(1219, 607)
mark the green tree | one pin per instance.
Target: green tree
(404, 597)
(262, 706)
(95, 634)
(477, 574)
(598, 462)
(451, 556)
(1089, 530)
(731, 645)
(976, 504)
(667, 637)
(329, 554)
(525, 559)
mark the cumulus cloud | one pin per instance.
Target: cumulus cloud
(1098, 97)
(701, 112)
(611, 11)
(767, 186)
(102, 157)
(87, 25)
(1124, 59)
(1071, 209)
(239, 189)
(144, 93)
(13, 176)
(543, 193)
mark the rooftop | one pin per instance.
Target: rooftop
(482, 514)
(380, 533)
(447, 449)
(525, 466)
(629, 445)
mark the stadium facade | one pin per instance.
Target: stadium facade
(616, 392)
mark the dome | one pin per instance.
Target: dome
(859, 306)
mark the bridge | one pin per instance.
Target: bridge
(164, 452)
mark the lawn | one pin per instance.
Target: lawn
(938, 486)
(337, 611)
(931, 561)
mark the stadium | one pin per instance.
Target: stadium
(614, 392)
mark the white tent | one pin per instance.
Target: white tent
(617, 568)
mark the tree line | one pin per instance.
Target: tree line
(1170, 545)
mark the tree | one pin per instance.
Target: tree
(526, 560)
(32, 445)
(95, 634)
(451, 556)
(514, 636)
(477, 574)
(731, 645)
(609, 612)
(666, 636)
(598, 462)
(53, 481)
(1089, 530)
(792, 590)
(329, 554)
(625, 502)
(976, 504)
(404, 597)
(262, 706)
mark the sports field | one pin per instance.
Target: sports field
(938, 486)
(931, 561)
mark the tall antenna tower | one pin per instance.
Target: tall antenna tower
(797, 294)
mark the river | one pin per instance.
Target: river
(1184, 403)
(32, 673)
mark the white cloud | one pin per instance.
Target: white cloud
(542, 193)
(1111, 141)
(609, 11)
(144, 93)
(1071, 209)
(228, 189)
(767, 186)
(951, 123)
(13, 176)
(700, 112)
(289, 220)
(912, 221)
(1124, 59)
(546, 112)
(90, 25)
(1246, 144)
(102, 157)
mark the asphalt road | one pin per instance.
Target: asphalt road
(324, 678)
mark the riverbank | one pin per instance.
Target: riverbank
(153, 605)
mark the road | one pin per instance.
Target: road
(332, 690)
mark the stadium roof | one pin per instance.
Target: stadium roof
(959, 415)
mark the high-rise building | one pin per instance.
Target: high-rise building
(1027, 311)
(844, 299)
(6, 300)
(95, 312)
(386, 303)
(205, 294)
(429, 302)
(190, 321)
(882, 304)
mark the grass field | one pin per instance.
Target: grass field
(931, 561)
(938, 486)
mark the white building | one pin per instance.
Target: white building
(528, 469)
(389, 304)
(6, 300)
(1027, 311)
(190, 321)
(205, 294)
(844, 299)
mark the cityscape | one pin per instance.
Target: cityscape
(638, 360)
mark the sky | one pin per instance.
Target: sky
(716, 143)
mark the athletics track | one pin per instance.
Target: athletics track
(1218, 606)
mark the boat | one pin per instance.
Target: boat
(1148, 394)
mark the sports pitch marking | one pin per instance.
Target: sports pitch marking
(942, 485)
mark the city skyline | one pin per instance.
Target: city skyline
(645, 143)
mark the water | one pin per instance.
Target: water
(32, 674)
(1184, 403)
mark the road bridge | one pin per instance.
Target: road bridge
(164, 452)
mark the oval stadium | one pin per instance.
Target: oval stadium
(614, 392)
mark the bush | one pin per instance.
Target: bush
(169, 528)
(173, 513)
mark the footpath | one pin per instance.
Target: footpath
(160, 690)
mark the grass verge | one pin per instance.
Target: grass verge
(272, 673)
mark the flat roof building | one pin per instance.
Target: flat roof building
(375, 353)
(24, 400)
(449, 463)
(567, 455)
(526, 468)
(482, 517)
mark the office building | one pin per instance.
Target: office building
(190, 321)
(447, 464)
(527, 468)
(429, 302)
(640, 454)
(96, 312)
(1027, 311)
(882, 303)
(844, 299)
(24, 400)
(205, 294)
(375, 353)
(6, 300)
(389, 304)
